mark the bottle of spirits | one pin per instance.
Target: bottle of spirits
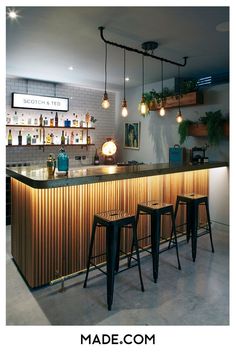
(9, 137)
(19, 138)
(72, 138)
(22, 120)
(62, 138)
(96, 158)
(88, 140)
(28, 139)
(48, 139)
(52, 138)
(41, 120)
(51, 122)
(77, 138)
(15, 118)
(46, 121)
(56, 120)
(8, 118)
(67, 139)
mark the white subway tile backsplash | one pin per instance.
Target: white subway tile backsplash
(84, 100)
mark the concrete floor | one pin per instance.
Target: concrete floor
(196, 295)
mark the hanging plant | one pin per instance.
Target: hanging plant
(183, 130)
(215, 126)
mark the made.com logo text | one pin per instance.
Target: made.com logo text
(118, 339)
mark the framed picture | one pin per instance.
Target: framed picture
(132, 136)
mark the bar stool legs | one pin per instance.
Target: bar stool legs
(155, 243)
(113, 221)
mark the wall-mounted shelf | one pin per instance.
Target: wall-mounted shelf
(47, 145)
(46, 127)
(187, 99)
(200, 130)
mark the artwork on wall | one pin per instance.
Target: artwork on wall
(132, 135)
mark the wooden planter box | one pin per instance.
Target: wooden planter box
(188, 99)
(197, 129)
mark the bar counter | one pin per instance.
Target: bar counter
(52, 216)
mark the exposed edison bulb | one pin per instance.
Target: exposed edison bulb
(179, 117)
(105, 102)
(143, 107)
(124, 110)
(162, 111)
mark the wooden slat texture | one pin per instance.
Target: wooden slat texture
(51, 227)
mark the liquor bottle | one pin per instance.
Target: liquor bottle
(19, 138)
(67, 139)
(52, 138)
(72, 138)
(88, 139)
(29, 121)
(41, 120)
(15, 118)
(35, 121)
(56, 120)
(96, 158)
(48, 139)
(77, 138)
(62, 138)
(51, 122)
(22, 120)
(9, 138)
(46, 121)
(34, 140)
(8, 118)
(28, 139)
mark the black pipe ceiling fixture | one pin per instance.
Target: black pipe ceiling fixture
(147, 46)
(145, 53)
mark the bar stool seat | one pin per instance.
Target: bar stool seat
(113, 220)
(192, 201)
(156, 210)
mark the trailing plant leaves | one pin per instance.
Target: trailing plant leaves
(183, 130)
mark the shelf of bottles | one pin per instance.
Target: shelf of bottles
(56, 130)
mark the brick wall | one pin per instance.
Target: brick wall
(81, 100)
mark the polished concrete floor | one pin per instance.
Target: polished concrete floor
(196, 295)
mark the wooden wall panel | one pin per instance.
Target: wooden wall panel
(51, 228)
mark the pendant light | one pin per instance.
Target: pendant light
(162, 111)
(179, 117)
(124, 110)
(105, 102)
(143, 105)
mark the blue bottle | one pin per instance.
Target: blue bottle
(62, 161)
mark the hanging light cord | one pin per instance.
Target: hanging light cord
(143, 74)
(179, 85)
(124, 74)
(105, 67)
(162, 81)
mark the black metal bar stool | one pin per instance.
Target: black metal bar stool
(192, 202)
(113, 220)
(156, 210)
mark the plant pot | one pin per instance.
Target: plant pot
(226, 128)
(153, 105)
(188, 99)
(198, 129)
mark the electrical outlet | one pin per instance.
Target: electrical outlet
(77, 157)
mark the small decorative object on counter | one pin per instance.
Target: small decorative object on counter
(62, 161)
(19, 138)
(28, 139)
(51, 164)
(96, 158)
(9, 138)
(198, 154)
(177, 154)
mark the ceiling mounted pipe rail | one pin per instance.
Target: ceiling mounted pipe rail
(101, 29)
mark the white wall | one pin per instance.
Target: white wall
(158, 133)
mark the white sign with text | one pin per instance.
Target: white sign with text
(20, 100)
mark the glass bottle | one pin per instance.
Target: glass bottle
(62, 161)
(19, 138)
(28, 139)
(48, 139)
(8, 118)
(22, 120)
(56, 120)
(96, 158)
(9, 138)
(15, 118)
(77, 138)
(72, 138)
(41, 120)
(62, 138)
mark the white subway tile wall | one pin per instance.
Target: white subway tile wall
(81, 101)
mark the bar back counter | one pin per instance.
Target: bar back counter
(52, 215)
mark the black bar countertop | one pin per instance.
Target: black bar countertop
(37, 176)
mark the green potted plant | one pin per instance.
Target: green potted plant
(215, 126)
(183, 130)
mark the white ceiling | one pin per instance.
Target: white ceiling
(44, 41)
